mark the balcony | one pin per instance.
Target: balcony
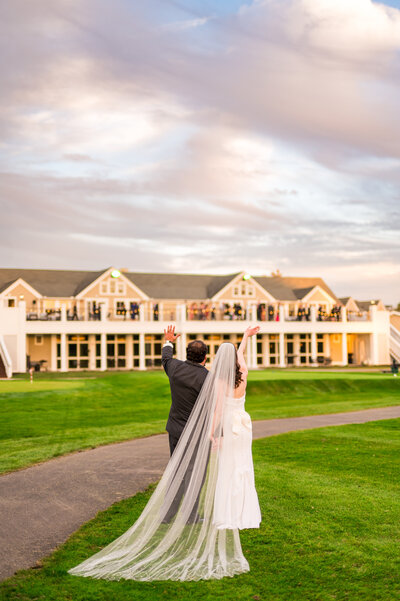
(223, 319)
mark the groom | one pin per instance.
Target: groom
(185, 378)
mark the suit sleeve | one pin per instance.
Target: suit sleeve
(167, 358)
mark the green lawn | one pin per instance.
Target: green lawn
(330, 501)
(58, 414)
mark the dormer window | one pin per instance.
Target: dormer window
(112, 286)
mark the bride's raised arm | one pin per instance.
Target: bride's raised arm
(242, 348)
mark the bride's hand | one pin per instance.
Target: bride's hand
(251, 331)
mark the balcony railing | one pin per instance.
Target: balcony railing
(224, 312)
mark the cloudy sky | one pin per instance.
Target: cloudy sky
(203, 136)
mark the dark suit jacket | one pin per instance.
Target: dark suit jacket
(186, 379)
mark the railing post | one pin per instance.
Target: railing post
(343, 313)
(63, 312)
(313, 313)
(141, 312)
(103, 312)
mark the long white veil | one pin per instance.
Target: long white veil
(175, 537)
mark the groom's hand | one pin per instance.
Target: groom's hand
(169, 334)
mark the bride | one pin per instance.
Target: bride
(214, 451)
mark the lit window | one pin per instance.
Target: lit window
(11, 302)
(38, 340)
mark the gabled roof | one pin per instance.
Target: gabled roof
(292, 288)
(50, 282)
(302, 292)
(179, 286)
(365, 305)
(68, 283)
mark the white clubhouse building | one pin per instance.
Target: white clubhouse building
(113, 319)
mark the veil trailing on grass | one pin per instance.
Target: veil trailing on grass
(177, 535)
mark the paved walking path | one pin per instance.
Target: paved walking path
(41, 506)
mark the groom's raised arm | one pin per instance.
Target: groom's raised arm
(167, 354)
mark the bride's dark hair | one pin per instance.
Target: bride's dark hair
(238, 373)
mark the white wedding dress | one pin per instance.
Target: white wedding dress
(166, 542)
(236, 502)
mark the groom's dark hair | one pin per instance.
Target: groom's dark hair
(196, 351)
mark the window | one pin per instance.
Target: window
(250, 290)
(78, 351)
(236, 291)
(38, 340)
(103, 288)
(116, 351)
(121, 288)
(112, 286)
(11, 302)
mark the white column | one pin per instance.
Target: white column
(313, 313)
(63, 313)
(286, 310)
(282, 362)
(53, 346)
(314, 347)
(181, 313)
(248, 355)
(344, 348)
(254, 351)
(254, 313)
(63, 352)
(21, 340)
(103, 343)
(266, 360)
(141, 312)
(160, 312)
(92, 352)
(296, 349)
(142, 350)
(129, 351)
(373, 345)
(182, 351)
(103, 312)
(343, 313)
(281, 313)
